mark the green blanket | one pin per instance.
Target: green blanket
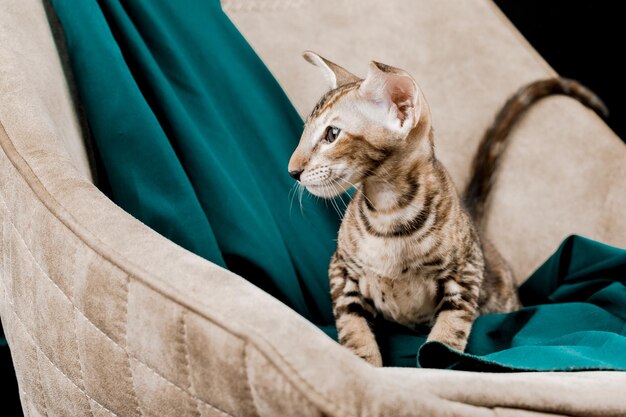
(574, 319)
(194, 136)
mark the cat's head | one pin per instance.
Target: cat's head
(356, 126)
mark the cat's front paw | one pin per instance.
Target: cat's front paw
(371, 354)
(453, 341)
(375, 360)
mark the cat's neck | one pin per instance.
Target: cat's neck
(396, 177)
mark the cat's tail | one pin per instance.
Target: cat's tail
(495, 140)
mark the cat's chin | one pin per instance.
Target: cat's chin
(325, 191)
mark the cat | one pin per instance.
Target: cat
(409, 248)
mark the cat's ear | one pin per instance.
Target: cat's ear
(395, 91)
(336, 75)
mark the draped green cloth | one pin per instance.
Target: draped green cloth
(194, 135)
(574, 319)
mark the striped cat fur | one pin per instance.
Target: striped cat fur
(409, 249)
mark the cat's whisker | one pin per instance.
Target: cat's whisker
(326, 199)
(291, 195)
(345, 205)
(300, 193)
(362, 193)
(332, 200)
(335, 185)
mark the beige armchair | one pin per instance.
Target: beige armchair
(105, 317)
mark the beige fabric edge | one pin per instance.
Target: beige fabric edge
(196, 269)
(169, 289)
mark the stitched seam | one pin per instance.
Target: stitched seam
(211, 406)
(43, 394)
(80, 363)
(111, 255)
(39, 350)
(188, 363)
(248, 383)
(8, 297)
(126, 349)
(75, 309)
(99, 405)
(106, 335)
(73, 290)
(336, 409)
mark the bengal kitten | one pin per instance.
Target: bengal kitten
(407, 249)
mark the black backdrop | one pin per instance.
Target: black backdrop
(583, 40)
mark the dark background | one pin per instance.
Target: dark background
(583, 40)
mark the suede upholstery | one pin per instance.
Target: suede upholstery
(468, 60)
(107, 318)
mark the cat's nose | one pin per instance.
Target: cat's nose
(296, 174)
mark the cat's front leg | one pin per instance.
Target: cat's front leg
(457, 309)
(353, 313)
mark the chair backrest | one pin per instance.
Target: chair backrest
(33, 82)
(565, 171)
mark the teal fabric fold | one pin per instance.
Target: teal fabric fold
(574, 319)
(194, 135)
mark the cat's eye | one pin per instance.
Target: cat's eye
(331, 134)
